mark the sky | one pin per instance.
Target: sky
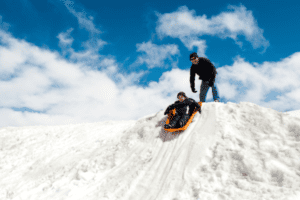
(66, 62)
(215, 158)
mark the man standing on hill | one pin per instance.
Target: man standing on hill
(207, 73)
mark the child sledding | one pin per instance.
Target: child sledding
(178, 118)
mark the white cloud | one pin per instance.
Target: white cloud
(83, 20)
(10, 60)
(72, 92)
(184, 24)
(3, 25)
(155, 55)
(16, 118)
(194, 42)
(67, 92)
(65, 39)
(90, 55)
(253, 82)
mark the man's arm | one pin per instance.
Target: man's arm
(192, 79)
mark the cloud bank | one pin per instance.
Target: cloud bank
(89, 87)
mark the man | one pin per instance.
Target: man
(207, 73)
(181, 105)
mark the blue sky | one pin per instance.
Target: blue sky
(85, 61)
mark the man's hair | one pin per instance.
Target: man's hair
(181, 93)
(194, 54)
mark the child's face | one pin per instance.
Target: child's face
(181, 98)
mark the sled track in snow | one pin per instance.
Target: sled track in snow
(168, 167)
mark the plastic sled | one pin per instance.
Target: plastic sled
(171, 115)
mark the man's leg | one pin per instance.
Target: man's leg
(215, 92)
(203, 91)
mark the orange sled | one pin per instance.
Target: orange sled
(171, 115)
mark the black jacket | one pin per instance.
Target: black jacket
(182, 106)
(206, 71)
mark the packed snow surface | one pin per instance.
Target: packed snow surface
(229, 152)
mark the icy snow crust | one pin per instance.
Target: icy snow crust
(229, 152)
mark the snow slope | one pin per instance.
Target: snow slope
(230, 151)
(295, 113)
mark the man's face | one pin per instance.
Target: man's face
(194, 60)
(181, 98)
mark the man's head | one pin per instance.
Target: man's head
(194, 58)
(181, 96)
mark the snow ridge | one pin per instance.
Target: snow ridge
(230, 151)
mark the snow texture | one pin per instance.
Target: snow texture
(229, 152)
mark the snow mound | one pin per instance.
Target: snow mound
(230, 151)
(294, 113)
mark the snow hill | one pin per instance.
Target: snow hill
(229, 152)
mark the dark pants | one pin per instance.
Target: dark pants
(179, 120)
(204, 89)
